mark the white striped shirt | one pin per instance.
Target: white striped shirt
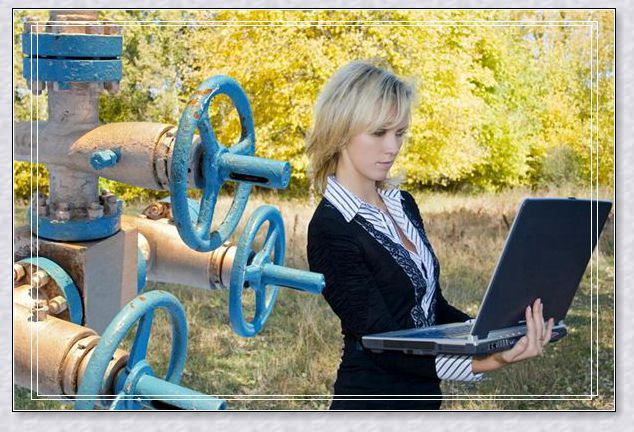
(448, 367)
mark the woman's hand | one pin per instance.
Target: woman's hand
(530, 345)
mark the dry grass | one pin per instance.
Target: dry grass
(299, 349)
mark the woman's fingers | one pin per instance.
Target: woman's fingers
(531, 331)
(538, 317)
(517, 352)
(537, 335)
(535, 329)
(525, 347)
(548, 333)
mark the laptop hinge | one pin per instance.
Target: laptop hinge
(472, 339)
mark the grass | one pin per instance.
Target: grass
(298, 351)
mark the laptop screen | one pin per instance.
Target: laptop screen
(546, 254)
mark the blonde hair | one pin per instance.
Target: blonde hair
(359, 97)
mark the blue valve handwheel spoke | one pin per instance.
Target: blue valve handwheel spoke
(205, 212)
(269, 243)
(196, 234)
(263, 297)
(141, 339)
(209, 198)
(264, 254)
(265, 294)
(242, 148)
(135, 311)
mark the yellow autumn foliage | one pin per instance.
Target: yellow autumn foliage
(505, 98)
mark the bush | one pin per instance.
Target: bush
(560, 167)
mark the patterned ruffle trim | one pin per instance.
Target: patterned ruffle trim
(404, 260)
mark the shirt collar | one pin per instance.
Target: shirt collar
(348, 203)
(391, 195)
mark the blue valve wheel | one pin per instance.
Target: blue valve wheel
(141, 310)
(196, 233)
(64, 284)
(245, 273)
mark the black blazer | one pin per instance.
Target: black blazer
(370, 292)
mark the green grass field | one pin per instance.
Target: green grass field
(298, 351)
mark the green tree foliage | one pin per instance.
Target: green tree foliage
(504, 97)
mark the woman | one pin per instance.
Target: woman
(367, 237)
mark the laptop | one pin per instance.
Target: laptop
(545, 256)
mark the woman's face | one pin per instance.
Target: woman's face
(372, 154)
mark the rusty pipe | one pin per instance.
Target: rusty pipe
(145, 149)
(172, 261)
(50, 354)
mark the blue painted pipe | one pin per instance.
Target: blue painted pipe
(136, 387)
(262, 172)
(184, 398)
(66, 70)
(68, 58)
(75, 229)
(60, 45)
(300, 280)
(141, 272)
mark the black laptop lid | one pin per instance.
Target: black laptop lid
(546, 254)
